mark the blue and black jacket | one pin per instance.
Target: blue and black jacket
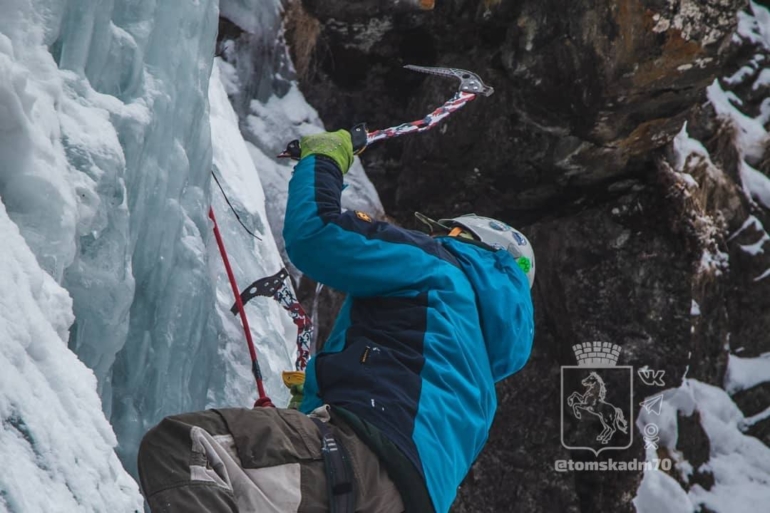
(429, 325)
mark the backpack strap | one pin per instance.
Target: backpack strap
(340, 481)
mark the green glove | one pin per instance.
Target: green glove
(335, 145)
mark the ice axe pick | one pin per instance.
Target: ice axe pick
(470, 87)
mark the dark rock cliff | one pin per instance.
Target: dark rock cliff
(641, 240)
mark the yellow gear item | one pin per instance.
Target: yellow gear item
(295, 382)
(293, 378)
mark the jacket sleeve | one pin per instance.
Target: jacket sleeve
(348, 251)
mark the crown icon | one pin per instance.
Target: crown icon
(596, 354)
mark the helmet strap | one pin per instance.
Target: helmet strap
(433, 227)
(458, 231)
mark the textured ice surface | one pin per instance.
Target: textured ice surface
(58, 153)
(171, 338)
(55, 443)
(111, 123)
(260, 17)
(106, 153)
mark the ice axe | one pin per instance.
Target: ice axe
(470, 87)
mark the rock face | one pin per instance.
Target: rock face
(583, 93)
(648, 235)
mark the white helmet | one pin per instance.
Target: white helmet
(500, 235)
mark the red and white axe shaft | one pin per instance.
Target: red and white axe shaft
(470, 87)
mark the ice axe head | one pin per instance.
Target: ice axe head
(469, 81)
(292, 151)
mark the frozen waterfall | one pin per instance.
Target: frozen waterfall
(115, 303)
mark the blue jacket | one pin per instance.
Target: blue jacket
(429, 325)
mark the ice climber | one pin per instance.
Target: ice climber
(399, 403)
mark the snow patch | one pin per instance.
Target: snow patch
(745, 373)
(755, 184)
(759, 417)
(740, 464)
(763, 275)
(752, 138)
(750, 221)
(762, 80)
(751, 135)
(757, 247)
(54, 434)
(690, 153)
(660, 493)
(740, 75)
(754, 27)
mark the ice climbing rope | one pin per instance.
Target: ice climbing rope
(232, 208)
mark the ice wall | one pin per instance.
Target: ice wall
(55, 443)
(171, 334)
(106, 154)
(179, 348)
(111, 123)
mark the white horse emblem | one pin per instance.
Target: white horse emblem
(592, 401)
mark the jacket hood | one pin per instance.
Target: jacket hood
(504, 301)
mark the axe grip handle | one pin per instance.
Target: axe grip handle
(359, 137)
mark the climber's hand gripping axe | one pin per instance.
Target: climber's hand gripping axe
(470, 87)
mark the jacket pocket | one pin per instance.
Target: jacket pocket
(345, 372)
(367, 375)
